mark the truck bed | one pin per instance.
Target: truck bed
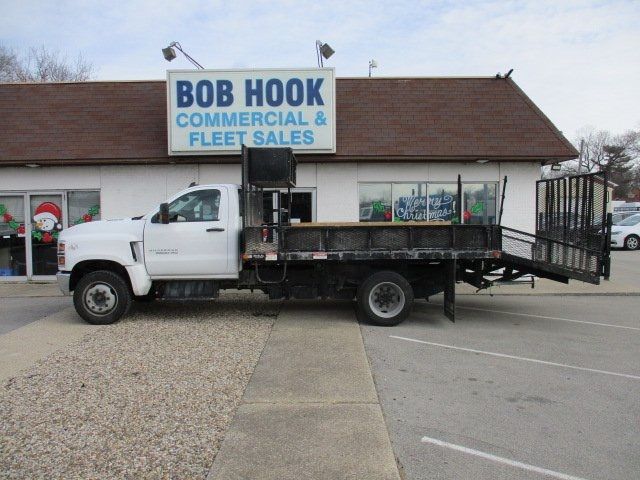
(371, 241)
(423, 241)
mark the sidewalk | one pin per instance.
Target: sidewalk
(23, 289)
(21, 348)
(310, 410)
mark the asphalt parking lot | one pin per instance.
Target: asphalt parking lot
(522, 386)
(518, 388)
(20, 311)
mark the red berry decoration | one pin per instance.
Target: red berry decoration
(47, 238)
(466, 215)
(7, 217)
(87, 218)
(20, 230)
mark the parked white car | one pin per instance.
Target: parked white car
(626, 233)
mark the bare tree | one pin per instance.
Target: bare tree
(8, 65)
(41, 65)
(618, 155)
(602, 151)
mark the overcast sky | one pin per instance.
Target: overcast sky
(578, 60)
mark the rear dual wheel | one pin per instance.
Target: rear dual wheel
(385, 298)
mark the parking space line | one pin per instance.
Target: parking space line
(495, 458)
(541, 316)
(513, 357)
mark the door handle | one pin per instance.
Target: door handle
(215, 229)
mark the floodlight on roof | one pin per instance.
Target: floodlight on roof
(323, 50)
(169, 54)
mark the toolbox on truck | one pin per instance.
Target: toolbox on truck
(271, 167)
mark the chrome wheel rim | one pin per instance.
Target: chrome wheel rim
(632, 243)
(100, 298)
(386, 300)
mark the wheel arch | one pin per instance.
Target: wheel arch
(87, 266)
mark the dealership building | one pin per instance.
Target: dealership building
(368, 149)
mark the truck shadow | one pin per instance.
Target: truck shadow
(244, 305)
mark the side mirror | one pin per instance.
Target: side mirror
(164, 213)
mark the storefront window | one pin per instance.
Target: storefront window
(428, 202)
(83, 207)
(30, 224)
(479, 203)
(410, 202)
(12, 237)
(46, 223)
(375, 202)
(443, 199)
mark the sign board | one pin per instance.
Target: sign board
(212, 112)
(437, 207)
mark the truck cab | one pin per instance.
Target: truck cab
(193, 236)
(200, 238)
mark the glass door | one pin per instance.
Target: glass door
(301, 208)
(46, 217)
(13, 248)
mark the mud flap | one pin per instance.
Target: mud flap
(450, 290)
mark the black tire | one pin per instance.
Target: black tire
(102, 297)
(396, 303)
(632, 242)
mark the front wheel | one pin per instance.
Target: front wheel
(102, 297)
(385, 298)
(632, 242)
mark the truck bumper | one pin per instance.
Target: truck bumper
(63, 280)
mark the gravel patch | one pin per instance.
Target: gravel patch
(148, 397)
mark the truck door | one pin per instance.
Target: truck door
(194, 243)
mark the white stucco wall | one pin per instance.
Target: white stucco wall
(520, 195)
(135, 190)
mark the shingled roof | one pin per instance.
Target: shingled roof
(378, 119)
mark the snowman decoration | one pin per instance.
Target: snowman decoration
(46, 219)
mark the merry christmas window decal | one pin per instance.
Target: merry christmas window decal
(427, 201)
